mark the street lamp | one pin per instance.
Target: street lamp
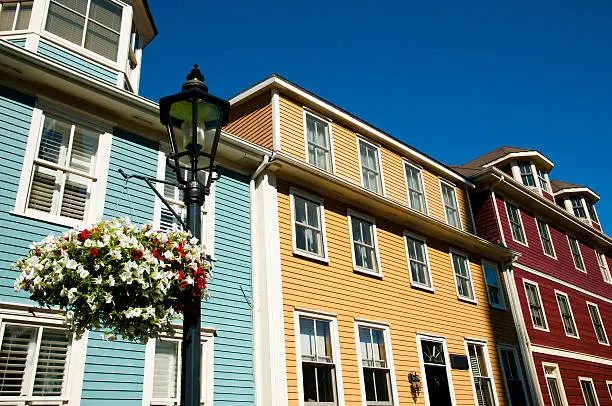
(193, 119)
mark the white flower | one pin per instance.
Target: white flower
(106, 239)
(71, 263)
(115, 253)
(111, 280)
(83, 273)
(72, 294)
(193, 241)
(69, 315)
(168, 255)
(88, 243)
(133, 312)
(108, 298)
(98, 280)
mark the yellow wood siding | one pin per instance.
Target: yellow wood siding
(346, 158)
(252, 121)
(335, 288)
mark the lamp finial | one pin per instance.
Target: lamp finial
(195, 79)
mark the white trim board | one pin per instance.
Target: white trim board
(571, 354)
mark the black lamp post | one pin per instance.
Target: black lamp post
(193, 119)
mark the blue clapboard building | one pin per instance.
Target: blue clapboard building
(70, 118)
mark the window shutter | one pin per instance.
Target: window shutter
(51, 365)
(42, 190)
(165, 369)
(15, 354)
(74, 199)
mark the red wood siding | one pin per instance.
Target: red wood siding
(556, 338)
(596, 226)
(548, 196)
(571, 370)
(562, 267)
(485, 219)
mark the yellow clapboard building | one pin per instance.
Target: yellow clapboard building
(370, 285)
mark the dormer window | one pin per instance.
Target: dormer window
(92, 24)
(15, 16)
(578, 207)
(526, 173)
(542, 178)
(592, 212)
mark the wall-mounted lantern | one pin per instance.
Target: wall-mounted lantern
(415, 383)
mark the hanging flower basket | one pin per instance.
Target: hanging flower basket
(130, 281)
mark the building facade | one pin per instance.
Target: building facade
(368, 273)
(70, 118)
(561, 284)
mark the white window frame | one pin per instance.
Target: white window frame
(414, 284)
(546, 325)
(207, 337)
(609, 386)
(593, 220)
(95, 204)
(442, 340)
(421, 176)
(13, 31)
(381, 178)
(602, 261)
(333, 331)
(350, 214)
(519, 370)
(552, 244)
(557, 376)
(304, 195)
(122, 46)
(520, 217)
(208, 209)
(483, 344)
(502, 305)
(558, 292)
(469, 271)
(389, 353)
(579, 252)
(454, 187)
(544, 179)
(332, 160)
(607, 342)
(590, 380)
(75, 357)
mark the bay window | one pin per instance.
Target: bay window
(15, 16)
(542, 178)
(578, 207)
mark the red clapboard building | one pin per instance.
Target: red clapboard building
(560, 286)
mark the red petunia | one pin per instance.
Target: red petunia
(183, 285)
(137, 254)
(181, 275)
(94, 252)
(157, 254)
(83, 235)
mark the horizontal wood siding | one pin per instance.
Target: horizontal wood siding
(556, 338)
(562, 267)
(16, 233)
(229, 308)
(571, 370)
(114, 372)
(252, 121)
(346, 154)
(464, 209)
(393, 171)
(336, 288)
(292, 127)
(487, 226)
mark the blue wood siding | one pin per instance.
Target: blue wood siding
(229, 309)
(76, 62)
(16, 233)
(20, 42)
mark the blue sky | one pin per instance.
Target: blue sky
(453, 79)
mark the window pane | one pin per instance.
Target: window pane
(54, 141)
(323, 341)
(106, 13)
(7, 16)
(74, 199)
(383, 387)
(65, 23)
(102, 41)
(15, 353)
(165, 369)
(23, 18)
(555, 393)
(589, 393)
(309, 382)
(312, 212)
(80, 6)
(368, 377)
(433, 352)
(51, 365)
(84, 148)
(307, 340)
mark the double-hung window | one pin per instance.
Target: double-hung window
(576, 254)
(162, 380)
(481, 374)
(416, 191)
(376, 370)
(547, 244)
(516, 224)
(555, 385)
(592, 212)
(451, 207)
(420, 274)
(308, 226)
(369, 159)
(33, 363)
(92, 24)
(538, 317)
(603, 266)
(15, 16)
(463, 276)
(578, 207)
(600, 330)
(543, 180)
(526, 171)
(588, 391)
(63, 180)
(318, 142)
(515, 386)
(567, 317)
(495, 292)
(364, 243)
(317, 360)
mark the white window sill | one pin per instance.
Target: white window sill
(575, 337)
(367, 272)
(606, 344)
(550, 256)
(467, 300)
(542, 329)
(422, 287)
(524, 244)
(309, 255)
(48, 218)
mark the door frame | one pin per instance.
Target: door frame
(442, 340)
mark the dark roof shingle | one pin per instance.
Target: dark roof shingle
(492, 156)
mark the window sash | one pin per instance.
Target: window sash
(576, 254)
(364, 244)
(547, 244)
(535, 306)
(414, 183)
(495, 291)
(588, 392)
(598, 326)
(592, 212)
(166, 377)
(463, 277)
(567, 317)
(318, 143)
(578, 207)
(417, 259)
(370, 170)
(554, 390)
(311, 226)
(480, 375)
(15, 15)
(542, 179)
(526, 174)
(603, 266)
(516, 225)
(451, 206)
